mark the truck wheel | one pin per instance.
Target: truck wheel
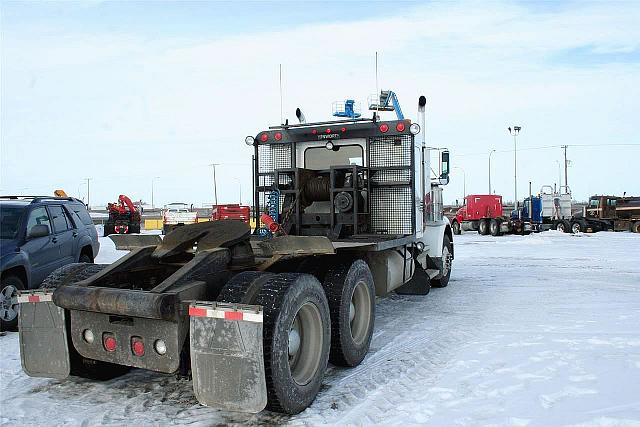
(635, 227)
(576, 227)
(483, 227)
(494, 227)
(456, 228)
(81, 366)
(447, 259)
(297, 339)
(11, 284)
(561, 226)
(352, 305)
(243, 288)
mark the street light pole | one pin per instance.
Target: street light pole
(515, 132)
(215, 186)
(490, 153)
(88, 193)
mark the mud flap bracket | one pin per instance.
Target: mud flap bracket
(227, 361)
(44, 347)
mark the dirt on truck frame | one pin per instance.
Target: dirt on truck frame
(346, 210)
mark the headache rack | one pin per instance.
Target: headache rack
(369, 201)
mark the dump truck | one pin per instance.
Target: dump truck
(605, 213)
(484, 213)
(346, 210)
(124, 217)
(176, 215)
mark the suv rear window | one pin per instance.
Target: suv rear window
(81, 212)
(59, 219)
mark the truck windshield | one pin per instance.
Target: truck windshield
(9, 221)
(318, 158)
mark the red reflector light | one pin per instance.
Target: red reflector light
(110, 343)
(278, 136)
(384, 128)
(137, 346)
(197, 312)
(315, 131)
(233, 315)
(264, 137)
(343, 129)
(328, 130)
(400, 127)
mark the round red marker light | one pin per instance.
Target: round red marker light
(384, 128)
(138, 348)
(110, 343)
(315, 131)
(400, 127)
(343, 129)
(278, 136)
(264, 137)
(328, 130)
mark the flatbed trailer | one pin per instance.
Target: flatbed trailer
(255, 318)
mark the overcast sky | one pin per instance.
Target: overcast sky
(123, 92)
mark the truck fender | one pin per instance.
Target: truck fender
(44, 346)
(434, 236)
(227, 361)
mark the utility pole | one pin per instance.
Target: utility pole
(490, 153)
(515, 132)
(215, 185)
(88, 193)
(566, 162)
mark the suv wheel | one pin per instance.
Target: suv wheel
(9, 302)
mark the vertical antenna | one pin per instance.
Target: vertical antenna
(281, 117)
(377, 88)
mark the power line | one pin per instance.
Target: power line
(546, 147)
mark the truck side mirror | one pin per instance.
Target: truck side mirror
(444, 162)
(40, 230)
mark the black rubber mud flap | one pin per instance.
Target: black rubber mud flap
(44, 350)
(227, 361)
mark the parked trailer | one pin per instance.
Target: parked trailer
(484, 213)
(605, 213)
(256, 318)
(231, 211)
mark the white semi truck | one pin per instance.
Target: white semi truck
(346, 210)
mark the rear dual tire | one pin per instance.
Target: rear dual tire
(296, 333)
(494, 227)
(483, 227)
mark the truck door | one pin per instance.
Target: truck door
(42, 251)
(63, 234)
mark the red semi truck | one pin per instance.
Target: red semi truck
(483, 213)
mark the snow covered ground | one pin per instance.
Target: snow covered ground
(538, 330)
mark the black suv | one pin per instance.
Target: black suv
(38, 235)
